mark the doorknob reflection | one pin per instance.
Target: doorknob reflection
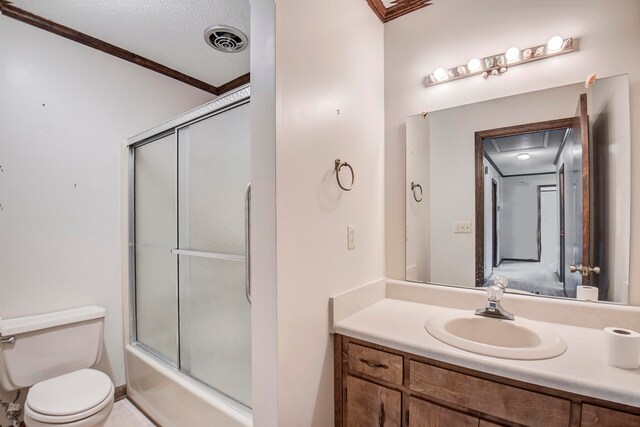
(584, 270)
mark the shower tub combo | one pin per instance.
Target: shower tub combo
(188, 349)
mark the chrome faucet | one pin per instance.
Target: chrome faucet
(494, 294)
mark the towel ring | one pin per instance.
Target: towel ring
(339, 166)
(415, 196)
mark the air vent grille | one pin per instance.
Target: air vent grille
(226, 39)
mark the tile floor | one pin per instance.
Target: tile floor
(124, 414)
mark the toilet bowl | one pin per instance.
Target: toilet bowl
(82, 398)
(52, 353)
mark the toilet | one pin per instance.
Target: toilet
(53, 354)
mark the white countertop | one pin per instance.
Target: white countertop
(581, 369)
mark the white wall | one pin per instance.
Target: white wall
(329, 57)
(608, 40)
(65, 110)
(519, 215)
(549, 232)
(417, 213)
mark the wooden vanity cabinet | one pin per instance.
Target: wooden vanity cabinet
(377, 386)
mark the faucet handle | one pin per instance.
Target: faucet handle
(501, 281)
(494, 292)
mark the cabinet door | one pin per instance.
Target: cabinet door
(595, 416)
(425, 414)
(371, 405)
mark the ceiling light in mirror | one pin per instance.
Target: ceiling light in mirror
(523, 156)
(512, 54)
(555, 43)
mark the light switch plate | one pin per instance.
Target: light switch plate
(351, 237)
(462, 227)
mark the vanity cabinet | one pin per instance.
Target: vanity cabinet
(377, 386)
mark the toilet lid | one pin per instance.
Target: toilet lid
(73, 393)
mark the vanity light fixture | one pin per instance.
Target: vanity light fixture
(498, 64)
(474, 65)
(523, 156)
(512, 54)
(555, 43)
(440, 74)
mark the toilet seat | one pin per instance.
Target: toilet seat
(69, 398)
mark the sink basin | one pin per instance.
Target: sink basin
(507, 339)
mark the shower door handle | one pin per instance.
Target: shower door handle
(247, 242)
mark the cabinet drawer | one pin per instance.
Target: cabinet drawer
(499, 400)
(595, 416)
(426, 414)
(378, 364)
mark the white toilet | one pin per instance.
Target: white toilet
(52, 354)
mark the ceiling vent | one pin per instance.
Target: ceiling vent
(226, 39)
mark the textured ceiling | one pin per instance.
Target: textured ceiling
(169, 32)
(541, 146)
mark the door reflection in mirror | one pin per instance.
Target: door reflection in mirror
(521, 231)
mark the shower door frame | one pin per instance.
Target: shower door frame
(234, 99)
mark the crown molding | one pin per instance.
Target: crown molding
(399, 8)
(10, 11)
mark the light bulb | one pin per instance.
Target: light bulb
(474, 65)
(523, 156)
(512, 54)
(440, 74)
(554, 43)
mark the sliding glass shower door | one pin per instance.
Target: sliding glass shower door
(215, 322)
(156, 235)
(191, 266)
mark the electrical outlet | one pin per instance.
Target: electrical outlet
(462, 227)
(351, 237)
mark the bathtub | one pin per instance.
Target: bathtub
(171, 398)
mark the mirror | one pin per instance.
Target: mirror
(534, 187)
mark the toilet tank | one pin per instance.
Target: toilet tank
(48, 345)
